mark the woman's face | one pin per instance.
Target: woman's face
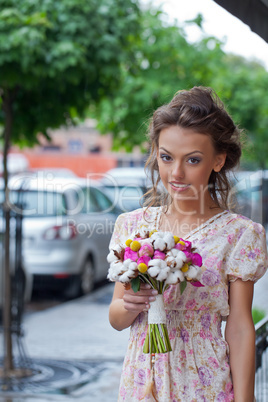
(186, 159)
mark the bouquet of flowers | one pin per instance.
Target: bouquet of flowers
(159, 259)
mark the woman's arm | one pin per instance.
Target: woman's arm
(127, 305)
(240, 335)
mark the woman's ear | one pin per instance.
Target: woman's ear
(219, 162)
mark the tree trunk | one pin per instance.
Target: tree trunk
(8, 351)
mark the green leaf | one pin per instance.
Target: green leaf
(183, 286)
(136, 284)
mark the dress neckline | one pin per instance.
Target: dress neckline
(200, 227)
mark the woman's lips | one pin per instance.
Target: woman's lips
(179, 186)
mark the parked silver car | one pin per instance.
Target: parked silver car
(67, 225)
(21, 280)
(126, 186)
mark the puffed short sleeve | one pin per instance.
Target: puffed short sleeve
(248, 260)
(120, 231)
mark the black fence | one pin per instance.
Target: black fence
(261, 375)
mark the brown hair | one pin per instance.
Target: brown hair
(201, 110)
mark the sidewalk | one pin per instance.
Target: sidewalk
(74, 332)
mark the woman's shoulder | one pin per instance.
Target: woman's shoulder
(242, 222)
(146, 212)
(145, 215)
(241, 229)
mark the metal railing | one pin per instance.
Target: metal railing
(261, 374)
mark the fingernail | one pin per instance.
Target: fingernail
(151, 298)
(154, 292)
(147, 286)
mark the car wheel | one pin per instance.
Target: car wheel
(87, 277)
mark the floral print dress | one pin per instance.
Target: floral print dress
(232, 246)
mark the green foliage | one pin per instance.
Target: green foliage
(58, 56)
(162, 62)
(136, 284)
(243, 86)
(257, 315)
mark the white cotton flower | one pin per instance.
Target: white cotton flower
(174, 277)
(132, 266)
(127, 262)
(153, 271)
(111, 257)
(163, 273)
(157, 235)
(193, 273)
(171, 262)
(115, 270)
(160, 244)
(169, 240)
(126, 276)
(155, 266)
(180, 259)
(143, 231)
(163, 240)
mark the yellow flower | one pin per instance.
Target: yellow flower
(185, 268)
(135, 245)
(152, 232)
(128, 242)
(142, 267)
(176, 239)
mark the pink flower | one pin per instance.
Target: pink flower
(202, 334)
(146, 250)
(257, 251)
(190, 305)
(145, 260)
(213, 362)
(194, 258)
(210, 262)
(133, 255)
(183, 354)
(159, 255)
(184, 247)
(230, 238)
(197, 284)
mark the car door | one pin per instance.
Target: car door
(99, 218)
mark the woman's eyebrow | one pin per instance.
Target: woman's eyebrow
(190, 153)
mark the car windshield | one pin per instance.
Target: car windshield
(38, 203)
(127, 198)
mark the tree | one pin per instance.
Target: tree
(243, 85)
(163, 62)
(55, 58)
(58, 56)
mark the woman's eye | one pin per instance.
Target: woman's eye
(165, 158)
(194, 161)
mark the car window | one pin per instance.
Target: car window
(38, 203)
(90, 203)
(95, 201)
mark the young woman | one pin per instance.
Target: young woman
(194, 144)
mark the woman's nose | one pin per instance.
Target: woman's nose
(177, 171)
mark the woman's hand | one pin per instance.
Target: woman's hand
(139, 301)
(127, 305)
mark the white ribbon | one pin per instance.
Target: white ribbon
(156, 313)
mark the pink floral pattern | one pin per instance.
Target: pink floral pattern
(198, 368)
